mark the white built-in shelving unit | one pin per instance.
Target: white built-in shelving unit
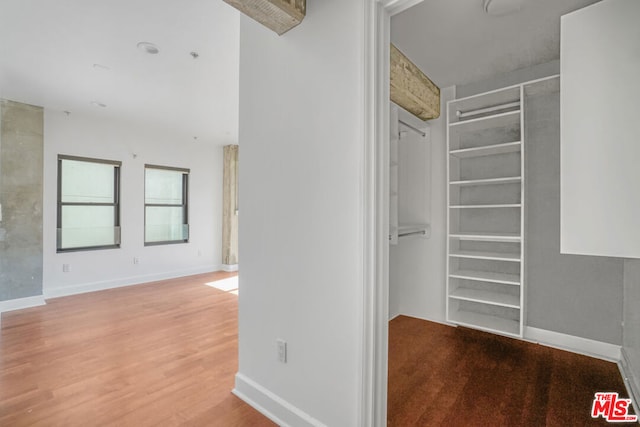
(485, 256)
(486, 266)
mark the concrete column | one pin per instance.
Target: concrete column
(21, 172)
(230, 208)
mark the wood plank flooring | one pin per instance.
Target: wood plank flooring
(157, 354)
(165, 354)
(445, 376)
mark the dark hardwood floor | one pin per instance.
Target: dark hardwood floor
(157, 354)
(445, 376)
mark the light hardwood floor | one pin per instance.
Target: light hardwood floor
(157, 354)
(445, 376)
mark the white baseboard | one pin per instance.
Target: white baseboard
(229, 267)
(428, 319)
(63, 291)
(20, 303)
(587, 347)
(630, 380)
(272, 406)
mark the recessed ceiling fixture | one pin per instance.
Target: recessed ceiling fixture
(148, 47)
(98, 104)
(502, 7)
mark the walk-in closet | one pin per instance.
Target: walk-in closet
(524, 187)
(475, 203)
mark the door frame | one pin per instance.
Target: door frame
(375, 208)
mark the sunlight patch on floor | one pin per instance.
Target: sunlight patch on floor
(229, 285)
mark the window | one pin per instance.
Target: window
(88, 204)
(165, 205)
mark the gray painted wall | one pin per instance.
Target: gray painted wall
(575, 295)
(631, 317)
(508, 79)
(571, 294)
(21, 148)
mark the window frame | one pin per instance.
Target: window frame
(184, 205)
(117, 166)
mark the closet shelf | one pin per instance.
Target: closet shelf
(479, 101)
(487, 297)
(487, 276)
(487, 322)
(484, 111)
(487, 150)
(504, 205)
(488, 181)
(492, 256)
(510, 118)
(486, 236)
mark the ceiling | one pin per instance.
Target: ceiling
(48, 50)
(454, 42)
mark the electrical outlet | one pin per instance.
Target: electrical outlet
(136, 260)
(282, 350)
(66, 268)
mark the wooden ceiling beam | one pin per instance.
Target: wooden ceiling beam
(277, 15)
(411, 89)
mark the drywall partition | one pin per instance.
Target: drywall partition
(21, 148)
(417, 265)
(135, 146)
(631, 328)
(301, 133)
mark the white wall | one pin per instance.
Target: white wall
(107, 139)
(570, 294)
(301, 133)
(417, 284)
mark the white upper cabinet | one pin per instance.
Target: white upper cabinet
(600, 145)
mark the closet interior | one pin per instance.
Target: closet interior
(528, 180)
(410, 219)
(484, 276)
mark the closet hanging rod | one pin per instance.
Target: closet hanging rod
(416, 130)
(411, 233)
(464, 114)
